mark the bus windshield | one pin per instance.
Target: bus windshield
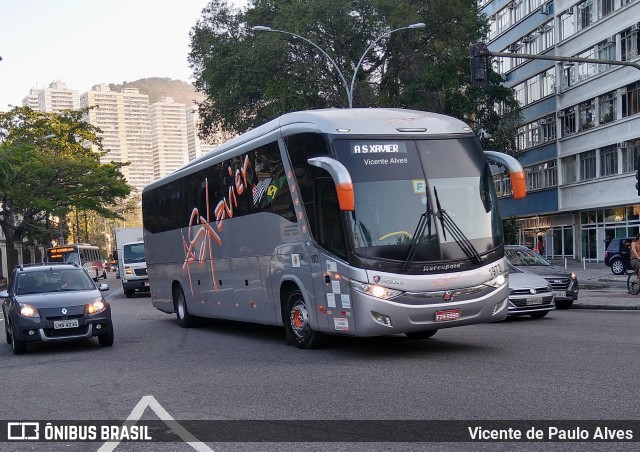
(440, 189)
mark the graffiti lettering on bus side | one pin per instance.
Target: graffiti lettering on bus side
(201, 233)
(445, 282)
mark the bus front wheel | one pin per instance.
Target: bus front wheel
(185, 320)
(297, 325)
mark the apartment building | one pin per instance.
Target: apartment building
(580, 139)
(169, 146)
(53, 99)
(196, 146)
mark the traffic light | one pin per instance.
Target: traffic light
(638, 175)
(479, 64)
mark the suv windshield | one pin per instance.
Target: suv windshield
(526, 258)
(395, 187)
(53, 279)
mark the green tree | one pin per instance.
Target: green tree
(511, 230)
(50, 163)
(251, 77)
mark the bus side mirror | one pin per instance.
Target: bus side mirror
(516, 172)
(341, 177)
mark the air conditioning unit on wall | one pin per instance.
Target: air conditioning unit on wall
(544, 9)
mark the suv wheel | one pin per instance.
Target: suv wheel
(617, 266)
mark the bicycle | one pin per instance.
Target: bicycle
(633, 284)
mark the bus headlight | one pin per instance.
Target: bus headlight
(496, 282)
(374, 290)
(96, 307)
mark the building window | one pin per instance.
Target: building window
(586, 115)
(631, 100)
(586, 70)
(569, 170)
(546, 35)
(542, 175)
(630, 153)
(548, 81)
(568, 121)
(629, 40)
(607, 106)
(567, 24)
(533, 89)
(585, 14)
(606, 51)
(548, 125)
(608, 160)
(588, 165)
(605, 7)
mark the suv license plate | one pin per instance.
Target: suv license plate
(532, 301)
(449, 314)
(61, 324)
(560, 293)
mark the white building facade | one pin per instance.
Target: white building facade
(580, 139)
(169, 144)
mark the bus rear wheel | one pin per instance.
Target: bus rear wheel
(297, 325)
(185, 320)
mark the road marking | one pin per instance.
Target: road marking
(151, 402)
(112, 295)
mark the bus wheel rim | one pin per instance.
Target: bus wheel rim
(299, 319)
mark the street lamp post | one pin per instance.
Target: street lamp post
(348, 88)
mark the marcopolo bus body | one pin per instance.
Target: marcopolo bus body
(359, 222)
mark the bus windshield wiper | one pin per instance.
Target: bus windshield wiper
(449, 225)
(423, 222)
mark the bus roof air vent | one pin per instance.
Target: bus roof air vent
(411, 129)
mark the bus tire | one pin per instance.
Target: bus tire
(185, 320)
(296, 323)
(421, 334)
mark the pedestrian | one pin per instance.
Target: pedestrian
(634, 253)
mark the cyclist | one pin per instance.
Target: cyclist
(634, 252)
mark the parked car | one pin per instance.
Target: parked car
(529, 294)
(617, 255)
(54, 302)
(565, 284)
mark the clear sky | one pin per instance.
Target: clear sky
(87, 42)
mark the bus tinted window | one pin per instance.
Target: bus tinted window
(223, 184)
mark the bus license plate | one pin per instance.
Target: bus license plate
(560, 293)
(61, 324)
(532, 301)
(449, 314)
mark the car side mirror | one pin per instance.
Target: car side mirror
(103, 287)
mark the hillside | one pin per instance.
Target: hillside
(157, 87)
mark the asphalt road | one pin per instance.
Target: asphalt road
(571, 365)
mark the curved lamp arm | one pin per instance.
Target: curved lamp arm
(355, 72)
(344, 81)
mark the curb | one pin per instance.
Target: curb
(605, 307)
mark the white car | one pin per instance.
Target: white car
(529, 294)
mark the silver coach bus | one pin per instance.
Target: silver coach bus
(361, 222)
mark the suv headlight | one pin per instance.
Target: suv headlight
(497, 281)
(28, 311)
(96, 307)
(374, 290)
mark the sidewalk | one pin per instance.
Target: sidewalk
(595, 278)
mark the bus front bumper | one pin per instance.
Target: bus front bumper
(377, 317)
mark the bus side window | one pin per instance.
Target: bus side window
(329, 230)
